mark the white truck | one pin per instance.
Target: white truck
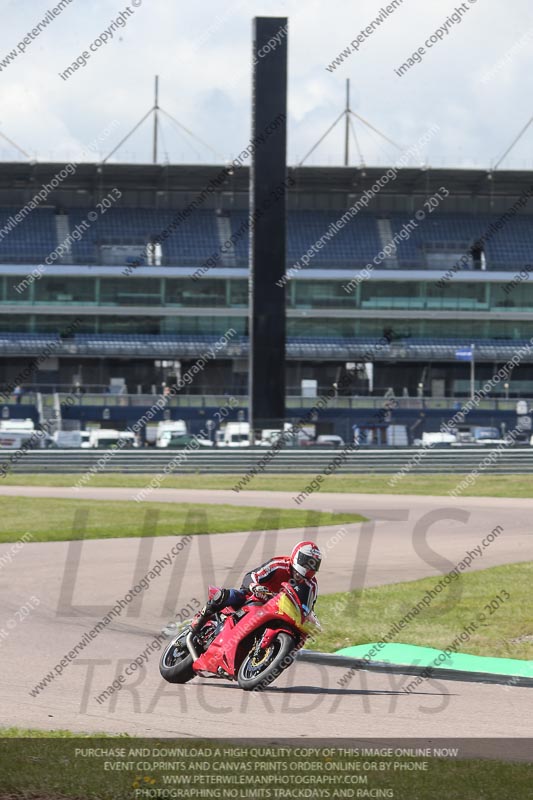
(67, 440)
(15, 432)
(11, 440)
(71, 440)
(433, 438)
(235, 434)
(166, 430)
(397, 436)
(269, 437)
(107, 437)
(292, 435)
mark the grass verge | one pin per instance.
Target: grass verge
(52, 520)
(366, 616)
(519, 485)
(49, 769)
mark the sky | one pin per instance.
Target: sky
(473, 82)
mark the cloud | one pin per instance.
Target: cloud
(202, 53)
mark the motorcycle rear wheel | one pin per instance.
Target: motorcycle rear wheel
(260, 676)
(175, 664)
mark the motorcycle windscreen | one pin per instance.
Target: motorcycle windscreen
(305, 595)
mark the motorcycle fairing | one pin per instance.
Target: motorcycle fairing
(222, 653)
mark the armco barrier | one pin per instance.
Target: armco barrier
(239, 462)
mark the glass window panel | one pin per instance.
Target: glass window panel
(239, 294)
(322, 294)
(65, 290)
(130, 291)
(197, 294)
(322, 328)
(15, 323)
(216, 326)
(391, 294)
(400, 329)
(129, 325)
(457, 296)
(57, 323)
(23, 283)
(516, 293)
(390, 328)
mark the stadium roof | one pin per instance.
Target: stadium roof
(192, 178)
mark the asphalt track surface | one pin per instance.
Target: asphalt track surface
(77, 583)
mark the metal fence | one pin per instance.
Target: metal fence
(368, 402)
(294, 400)
(241, 462)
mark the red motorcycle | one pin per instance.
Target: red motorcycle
(252, 645)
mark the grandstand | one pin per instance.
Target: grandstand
(141, 316)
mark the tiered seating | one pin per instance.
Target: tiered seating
(513, 243)
(192, 242)
(355, 243)
(156, 345)
(510, 247)
(437, 242)
(28, 343)
(29, 241)
(151, 344)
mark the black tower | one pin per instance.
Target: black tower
(268, 176)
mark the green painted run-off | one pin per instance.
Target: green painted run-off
(412, 655)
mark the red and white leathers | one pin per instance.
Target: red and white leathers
(275, 572)
(298, 568)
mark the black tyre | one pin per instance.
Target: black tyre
(175, 664)
(258, 674)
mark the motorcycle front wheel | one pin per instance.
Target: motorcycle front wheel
(175, 664)
(257, 672)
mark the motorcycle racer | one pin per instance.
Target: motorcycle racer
(265, 581)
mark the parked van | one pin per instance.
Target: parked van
(434, 438)
(329, 440)
(236, 434)
(15, 432)
(166, 430)
(397, 436)
(69, 440)
(12, 440)
(20, 425)
(269, 437)
(66, 439)
(106, 437)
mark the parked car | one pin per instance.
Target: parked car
(329, 441)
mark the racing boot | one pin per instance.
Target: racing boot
(216, 603)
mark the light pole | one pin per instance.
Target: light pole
(472, 371)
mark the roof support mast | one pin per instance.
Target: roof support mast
(156, 110)
(348, 116)
(347, 125)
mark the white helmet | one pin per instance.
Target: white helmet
(306, 558)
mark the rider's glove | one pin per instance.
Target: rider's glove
(261, 592)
